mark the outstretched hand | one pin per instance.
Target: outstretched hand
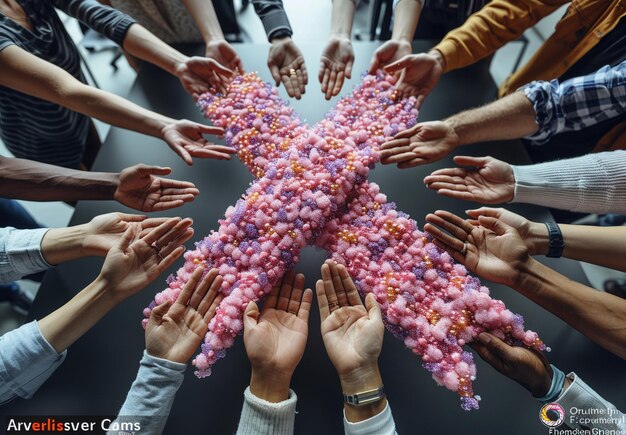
(224, 54)
(423, 143)
(485, 180)
(527, 367)
(276, 336)
(335, 65)
(493, 249)
(139, 187)
(199, 74)
(137, 260)
(286, 63)
(175, 330)
(418, 74)
(186, 139)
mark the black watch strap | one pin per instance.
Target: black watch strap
(555, 240)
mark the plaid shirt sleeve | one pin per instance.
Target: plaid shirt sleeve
(577, 103)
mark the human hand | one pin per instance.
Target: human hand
(527, 367)
(224, 54)
(137, 260)
(534, 234)
(493, 249)
(199, 74)
(423, 143)
(488, 180)
(352, 333)
(335, 65)
(389, 52)
(138, 187)
(286, 63)
(275, 338)
(185, 139)
(174, 331)
(419, 74)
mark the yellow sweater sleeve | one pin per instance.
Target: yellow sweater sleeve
(499, 22)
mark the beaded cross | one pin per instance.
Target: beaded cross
(312, 189)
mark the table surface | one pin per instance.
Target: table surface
(100, 367)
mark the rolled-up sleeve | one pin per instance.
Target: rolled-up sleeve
(110, 22)
(272, 14)
(577, 103)
(20, 253)
(27, 360)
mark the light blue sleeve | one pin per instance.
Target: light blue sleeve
(20, 253)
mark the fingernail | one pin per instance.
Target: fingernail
(484, 338)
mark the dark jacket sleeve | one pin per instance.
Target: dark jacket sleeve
(103, 19)
(272, 14)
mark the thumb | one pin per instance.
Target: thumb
(275, 73)
(398, 65)
(159, 311)
(476, 162)
(250, 315)
(156, 170)
(127, 238)
(495, 346)
(375, 64)
(373, 309)
(493, 224)
(221, 69)
(210, 129)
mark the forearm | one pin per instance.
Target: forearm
(34, 181)
(598, 315)
(204, 16)
(70, 322)
(142, 44)
(342, 18)
(510, 117)
(595, 183)
(406, 16)
(60, 245)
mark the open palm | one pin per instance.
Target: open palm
(487, 180)
(174, 331)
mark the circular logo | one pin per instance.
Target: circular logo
(552, 414)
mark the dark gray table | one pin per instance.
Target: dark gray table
(102, 365)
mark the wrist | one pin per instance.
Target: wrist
(537, 239)
(59, 245)
(362, 378)
(436, 54)
(270, 384)
(528, 280)
(280, 39)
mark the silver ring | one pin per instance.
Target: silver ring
(464, 250)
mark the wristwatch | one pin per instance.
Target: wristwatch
(365, 397)
(555, 240)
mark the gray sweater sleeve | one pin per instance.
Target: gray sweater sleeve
(27, 360)
(585, 409)
(594, 183)
(103, 19)
(152, 394)
(20, 253)
(259, 416)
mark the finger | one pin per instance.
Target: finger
(272, 298)
(329, 288)
(408, 132)
(454, 229)
(127, 238)
(457, 187)
(485, 211)
(455, 220)
(251, 315)
(200, 289)
(301, 81)
(183, 154)
(399, 158)
(331, 84)
(169, 185)
(305, 73)
(210, 129)
(169, 260)
(495, 346)
(167, 205)
(174, 233)
(211, 294)
(320, 73)
(465, 196)
(322, 300)
(373, 309)
(221, 69)
(205, 153)
(156, 170)
(419, 100)
(493, 224)
(295, 85)
(338, 83)
(445, 174)
(190, 286)
(413, 162)
(454, 253)
(275, 74)
(285, 291)
(213, 308)
(446, 239)
(288, 85)
(157, 313)
(398, 65)
(152, 222)
(305, 305)
(351, 291)
(296, 295)
(396, 143)
(471, 161)
(342, 298)
(131, 217)
(349, 69)
(374, 64)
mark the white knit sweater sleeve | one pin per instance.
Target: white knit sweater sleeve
(594, 183)
(260, 417)
(380, 424)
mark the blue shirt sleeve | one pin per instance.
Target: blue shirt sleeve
(577, 103)
(20, 253)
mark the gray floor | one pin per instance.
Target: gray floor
(311, 21)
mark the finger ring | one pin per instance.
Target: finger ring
(464, 250)
(293, 312)
(154, 245)
(292, 72)
(333, 304)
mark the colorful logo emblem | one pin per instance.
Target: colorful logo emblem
(552, 415)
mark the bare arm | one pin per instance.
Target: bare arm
(342, 18)
(204, 16)
(406, 16)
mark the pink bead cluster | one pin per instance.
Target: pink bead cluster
(312, 189)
